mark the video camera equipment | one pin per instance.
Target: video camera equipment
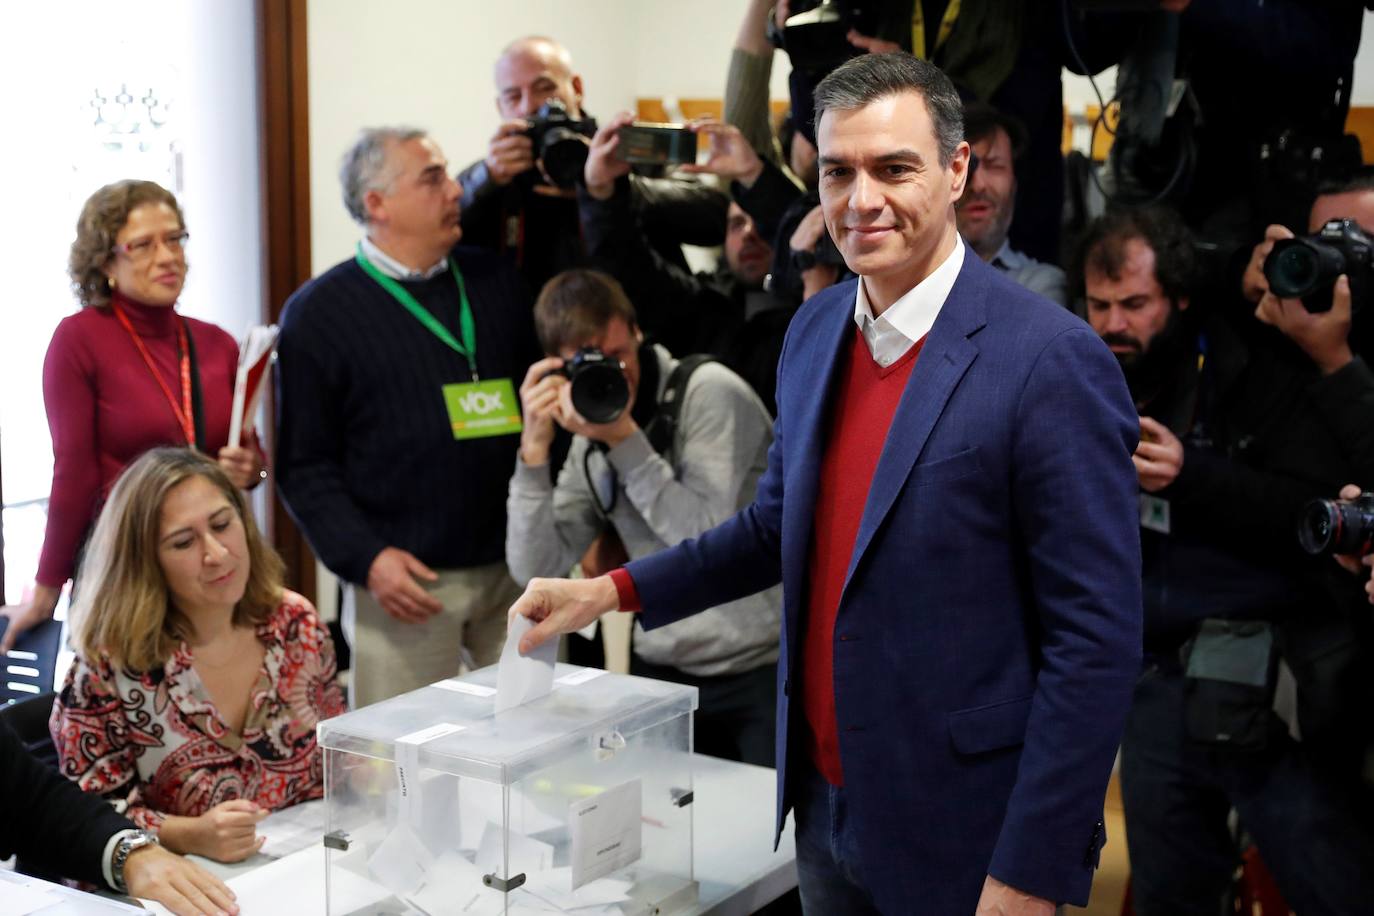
(646, 143)
(560, 142)
(814, 38)
(1307, 267)
(1338, 526)
(599, 390)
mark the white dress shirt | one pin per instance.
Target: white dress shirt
(394, 269)
(896, 330)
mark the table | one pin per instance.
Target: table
(732, 842)
(20, 893)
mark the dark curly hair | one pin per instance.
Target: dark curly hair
(102, 216)
(1103, 248)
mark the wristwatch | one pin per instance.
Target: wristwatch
(125, 846)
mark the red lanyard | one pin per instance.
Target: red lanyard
(184, 412)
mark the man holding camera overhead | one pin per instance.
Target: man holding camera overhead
(522, 198)
(1235, 441)
(662, 451)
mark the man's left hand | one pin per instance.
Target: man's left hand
(1000, 899)
(612, 433)
(1159, 456)
(730, 156)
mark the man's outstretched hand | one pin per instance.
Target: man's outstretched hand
(562, 606)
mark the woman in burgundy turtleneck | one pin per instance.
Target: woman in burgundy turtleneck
(118, 380)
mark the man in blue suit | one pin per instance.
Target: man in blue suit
(951, 507)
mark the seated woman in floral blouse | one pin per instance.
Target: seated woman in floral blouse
(199, 679)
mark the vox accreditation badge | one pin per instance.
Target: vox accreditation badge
(479, 409)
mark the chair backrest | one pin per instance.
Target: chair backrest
(28, 669)
(28, 719)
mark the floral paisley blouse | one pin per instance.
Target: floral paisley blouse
(157, 740)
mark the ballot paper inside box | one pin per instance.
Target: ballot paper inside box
(578, 802)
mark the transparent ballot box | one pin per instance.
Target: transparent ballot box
(580, 801)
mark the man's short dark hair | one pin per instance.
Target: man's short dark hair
(1103, 248)
(863, 80)
(982, 119)
(1362, 179)
(576, 306)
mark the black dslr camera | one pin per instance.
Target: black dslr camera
(560, 142)
(1307, 267)
(599, 390)
(1338, 526)
(814, 38)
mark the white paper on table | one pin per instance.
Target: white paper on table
(455, 885)
(294, 886)
(606, 831)
(522, 678)
(554, 887)
(21, 899)
(292, 829)
(526, 855)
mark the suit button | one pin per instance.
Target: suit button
(787, 687)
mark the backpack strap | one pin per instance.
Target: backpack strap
(663, 429)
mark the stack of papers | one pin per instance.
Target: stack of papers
(255, 355)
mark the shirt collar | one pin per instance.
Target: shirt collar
(909, 318)
(1008, 258)
(394, 269)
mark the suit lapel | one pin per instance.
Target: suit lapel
(944, 358)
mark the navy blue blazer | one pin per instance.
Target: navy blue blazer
(989, 631)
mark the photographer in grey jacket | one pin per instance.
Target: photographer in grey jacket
(652, 475)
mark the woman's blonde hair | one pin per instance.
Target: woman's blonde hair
(122, 608)
(103, 215)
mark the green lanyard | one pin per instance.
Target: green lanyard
(468, 348)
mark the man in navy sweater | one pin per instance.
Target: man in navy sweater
(951, 508)
(398, 420)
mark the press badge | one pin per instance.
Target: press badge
(1154, 513)
(480, 409)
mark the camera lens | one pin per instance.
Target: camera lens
(599, 391)
(1320, 525)
(1292, 270)
(564, 154)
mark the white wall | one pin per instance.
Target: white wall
(429, 62)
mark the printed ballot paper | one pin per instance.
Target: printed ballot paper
(522, 678)
(606, 831)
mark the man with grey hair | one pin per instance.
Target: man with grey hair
(398, 420)
(950, 505)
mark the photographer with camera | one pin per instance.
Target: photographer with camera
(662, 451)
(1318, 298)
(1233, 447)
(521, 199)
(725, 312)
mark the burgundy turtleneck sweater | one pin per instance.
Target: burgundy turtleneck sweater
(105, 409)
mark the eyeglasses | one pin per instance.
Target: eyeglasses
(143, 249)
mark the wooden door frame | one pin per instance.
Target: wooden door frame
(283, 92)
